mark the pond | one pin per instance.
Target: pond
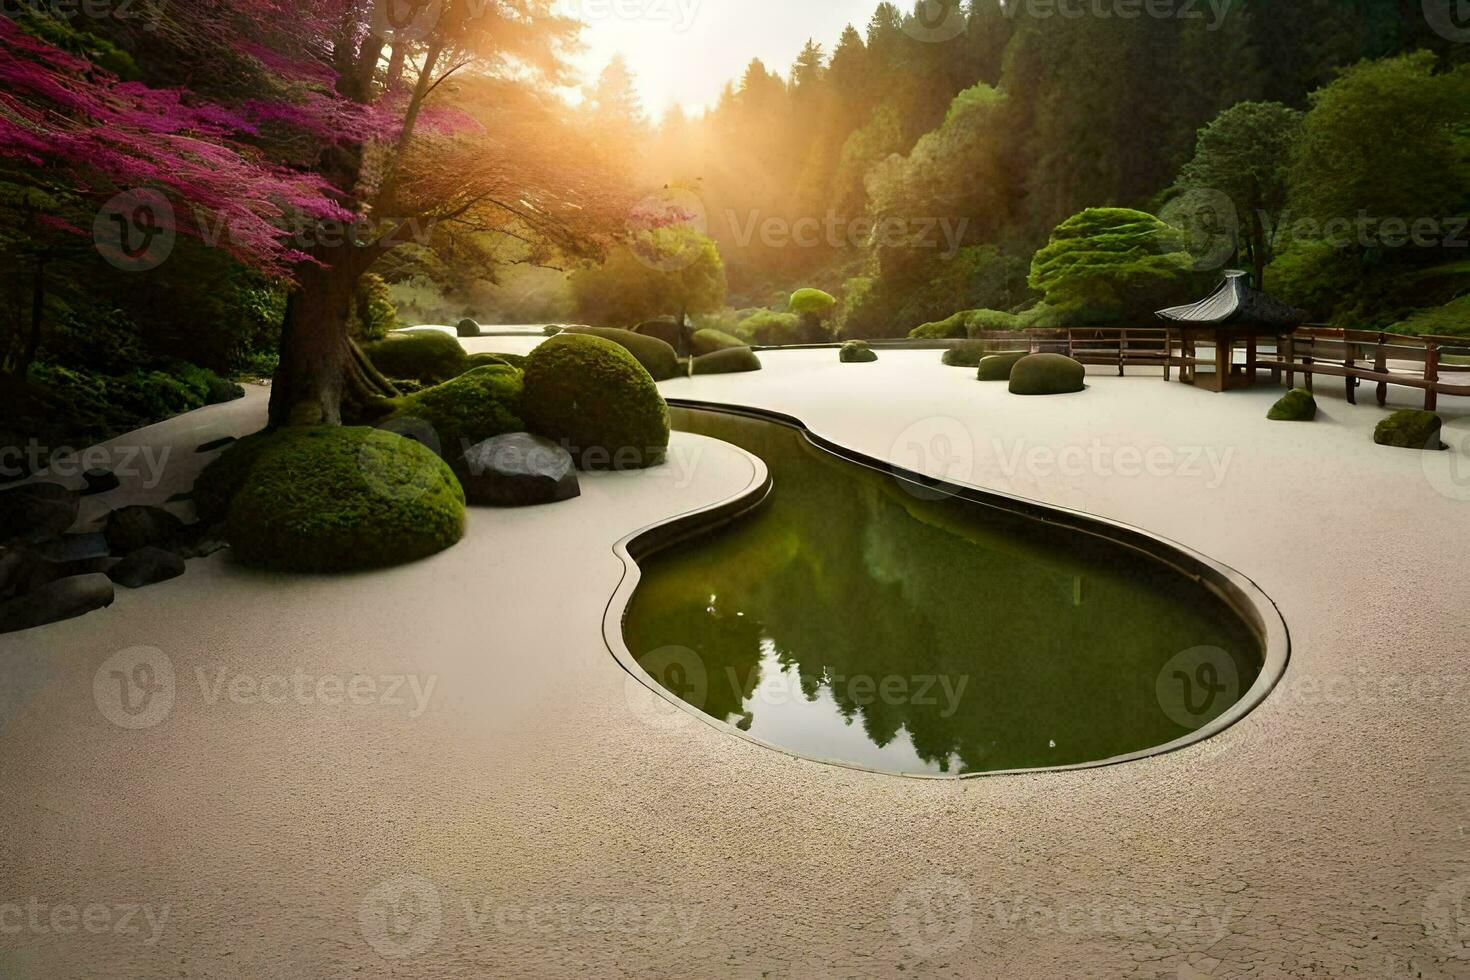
(860, 618)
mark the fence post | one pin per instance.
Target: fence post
(1431, 375)
(1288, 354)
(1350, 380)
(1380, 364)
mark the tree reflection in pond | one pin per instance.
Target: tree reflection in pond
(851, 620)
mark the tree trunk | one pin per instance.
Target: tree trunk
(323, 377)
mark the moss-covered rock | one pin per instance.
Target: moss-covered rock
(998, 367)
(551, 330)
(1047, 374)
(1297, 405)
(662, 328)
(593, 396)
(1410, 429)
(857, 352)
(968, 354)
(812, 301)
(451, 417)
(731, 360)
(426, 356)
(467, 328)
(334, 499)
(659, 359)
(709, 341)
(218, 483)
(517, 361)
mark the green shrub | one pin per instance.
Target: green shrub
(427, 356)
(857, 352)
(955, 327)
(812, 301)
(658, 358)
(217, 483)
(1047, 374)
(731, 360)
(1410, 429)
(481, 403)
(517, 361)
(334, 498)
(662, 328)
(709, 341)
(594, 397)
(771, 329)
(968, 354)
(372, 313)
(997, 367)
(1297, 405)
(994, 321)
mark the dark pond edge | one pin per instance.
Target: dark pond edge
(1256, 609)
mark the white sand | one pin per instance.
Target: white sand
(564, 828)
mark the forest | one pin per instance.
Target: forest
(934, 172)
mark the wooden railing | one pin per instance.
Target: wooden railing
(1120, 347)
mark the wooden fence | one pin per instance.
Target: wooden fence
(1353, 355)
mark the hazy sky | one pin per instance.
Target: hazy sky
(685, 50)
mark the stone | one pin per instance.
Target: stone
(37, 512)
(1047, 374)
(857, 352)
(146, 566)
(467, 328)
(518, 470)
(65, 598)
(1410, 429)
(74, 547)
(100, 480)
(222, 390)
(214, 444)
(131, 528)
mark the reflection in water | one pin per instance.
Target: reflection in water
(848, 619)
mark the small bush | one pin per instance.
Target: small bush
(771, 329)
(731, 360)
(664, 328)
(1047, 374)
(594, 397)
(955, 327)
(333, 499)
(994, 321)
(658, 358)
(481, 403)
(427, 356)
(998, 367)
(812, 301)
(709, 341)
(968, 354)
(1297, 405)
(372, 313)
(1410, 429)
(857, 352)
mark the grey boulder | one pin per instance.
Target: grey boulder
(100, 481)
(37, 512)
(63, 599)
(145, 567)
(518, 470)
(131, 528)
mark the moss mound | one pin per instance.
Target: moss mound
(955, 327)
(426, 356)
(1410, 429)
(968, 354)
(517, 361)
(732, 360)
(659, 359)
(857, 352)
(593, 396)
(333, 499)
(467, 328)
(998, 367)
(709, 341)
(1297, 405)
(218, 483)
(451, 417)
(1047, 374)
(812, 301)
(662, 328)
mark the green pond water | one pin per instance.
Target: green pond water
(856, 618)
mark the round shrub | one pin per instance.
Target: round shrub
(517, 361)
(1047, 374)
(774, 329)
(997, 367)
(731, 360)
(709, 341)
(333, 499)
(426, 356)
(466, 410)
(467, 328)
(812, 301)
(1410, 429)
(658, 358)
(857, 352)
(591, 395)
(1297, 405)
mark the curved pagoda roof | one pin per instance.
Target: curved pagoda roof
(1235, 301)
